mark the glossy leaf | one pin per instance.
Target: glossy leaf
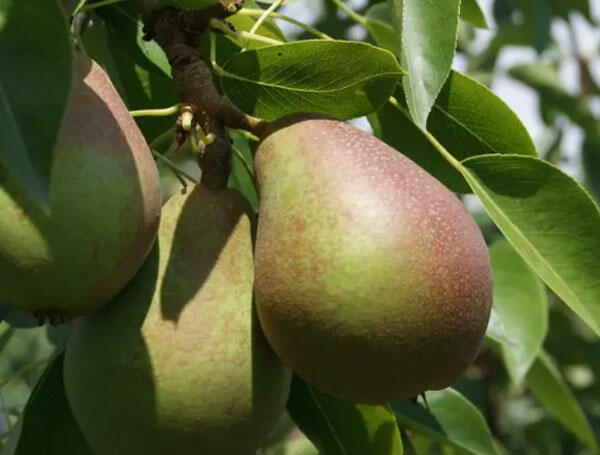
(471, 12)
(428, 31)
(338, 427)
(452, 420)
(48, 425)
(31, 108)
(550, 221)
(338, 78)
(521, 304)
(548, 386)
(467, 118)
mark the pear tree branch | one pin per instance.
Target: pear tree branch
(177, 32)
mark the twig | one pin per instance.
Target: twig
(291, 20)
(177, 32)
(276, 4)
(241, 35)
(165, 112)
(175, 168)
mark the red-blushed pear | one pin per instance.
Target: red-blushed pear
(103, 214)
(177, 364)
(372, 281)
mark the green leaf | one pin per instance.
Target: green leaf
(338, 78)
(591, 165)
(379, 26)
(428, 30)
(471, 12)
(139, 69)
(537, 16)
(521, 304)
(245, 23)
(551, 222)
(495, 330)
(564, 7)
(452, 421)
(338, 427)
(6, 331)
(467, 118)
(548, 386)
(34, 86)
(545, 79)
(188, 4)
(242, 170)
(48, 425)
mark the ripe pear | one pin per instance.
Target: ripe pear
(372, 281)
(177, 363)
(103, 214)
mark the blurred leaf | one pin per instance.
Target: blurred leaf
(548, 386)
(544, 78)
(453, 421)
(591, 165)
(139, 69)
(339, 78)
(549, 219)
(379, 26)
(564, 7)
(467, 118)
(339, 427)
(23, 360)
(34, 49)
(428, 33)
(537, 16)
(47, 425)
(521, 303)
(471, 12)
(507, 34)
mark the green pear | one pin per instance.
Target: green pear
(372, 281)
(177, 363)
(103, 214)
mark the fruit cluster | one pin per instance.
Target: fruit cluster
(365, 276)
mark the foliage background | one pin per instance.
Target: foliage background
(541, 57)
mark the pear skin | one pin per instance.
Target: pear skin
(178, 363)
(103, 214)
(372, 281)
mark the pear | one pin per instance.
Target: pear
(372, 281)
(104, 208)
(177, 363)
